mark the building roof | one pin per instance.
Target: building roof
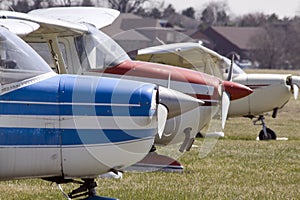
(184, 21)
(130, 35)
(199, 36)
(239, 36)
(138, 23)
(127, 21)
(115, 27)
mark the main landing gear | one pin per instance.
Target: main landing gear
(265, 133)
(86, 190)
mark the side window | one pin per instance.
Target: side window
(63, 52)
(43, 50)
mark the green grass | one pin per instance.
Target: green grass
(235, 169)
(238, 167)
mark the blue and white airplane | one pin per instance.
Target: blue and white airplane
(61, 127)
(72, 43)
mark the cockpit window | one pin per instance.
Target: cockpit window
(235, 69)
(18, 61)
(98, 51)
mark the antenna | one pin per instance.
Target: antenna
(162, 42)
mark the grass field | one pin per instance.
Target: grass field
(239, 167)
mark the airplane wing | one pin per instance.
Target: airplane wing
(189, 55)
(19, 27)
(99, 17)
(60, 20)
(46, 25)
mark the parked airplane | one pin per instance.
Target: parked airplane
(61, 127)
(90, 51)
(270, 91)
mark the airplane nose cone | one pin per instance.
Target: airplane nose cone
(176, 102)
(236, 90)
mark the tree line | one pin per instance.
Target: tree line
(276, 47)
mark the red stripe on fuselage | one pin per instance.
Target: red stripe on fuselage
(160, 71)
(257, 86)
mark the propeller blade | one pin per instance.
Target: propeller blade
(229, 78)
(295, 91)
(225, 107)
(162, 115)
(294, 82)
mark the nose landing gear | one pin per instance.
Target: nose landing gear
(265, 133)
(86, 190)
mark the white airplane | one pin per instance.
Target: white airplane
(270, 91)
(62, 127)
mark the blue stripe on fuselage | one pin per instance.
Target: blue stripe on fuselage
(76, 110)
(79, 89)
(31, 136)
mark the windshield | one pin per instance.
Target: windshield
(235, 69)
(18, 61)
(96, 50)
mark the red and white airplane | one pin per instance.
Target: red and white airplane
(270, 91)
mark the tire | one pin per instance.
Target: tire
(270, 135)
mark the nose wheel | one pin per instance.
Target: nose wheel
(86, 190)
(265, 133)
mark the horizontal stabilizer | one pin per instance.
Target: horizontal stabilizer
(156, 162)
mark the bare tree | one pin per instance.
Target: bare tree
(21, 6)
(292, 47)
(189, 12)
(278, 45)
(251, 19)
(216, 13)
(168, 11)
(126, 6)
(208, 16)
(155, 13)
(87, 3)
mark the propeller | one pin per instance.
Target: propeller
(230, 91)
(162, 115)
(294, 81)
(295, 91)
(229, 78)
(225, 107)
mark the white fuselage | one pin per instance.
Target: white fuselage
(58, 127)
(80, 161)
(270, 91)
